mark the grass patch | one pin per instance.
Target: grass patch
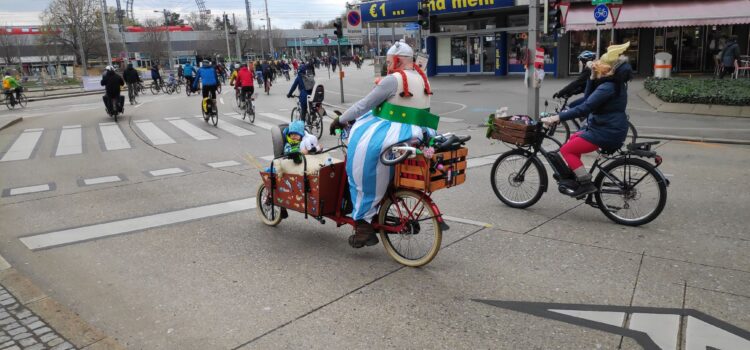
(729, 92)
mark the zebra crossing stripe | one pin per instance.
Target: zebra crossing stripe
(275, 116)
(28, 189)
(190, 129)
(450, 120)
(101, 180)
(257, 122)
(155, 135)
(113, 137)
(235, 130)
(70, 142)
(268, 158)
(224, 164)
(24, 145)
(168, 171)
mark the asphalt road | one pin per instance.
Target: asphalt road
(146, 229)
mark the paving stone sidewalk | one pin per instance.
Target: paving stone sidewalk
(21, 329)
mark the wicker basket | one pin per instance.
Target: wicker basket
(443, 170)
(512, 132)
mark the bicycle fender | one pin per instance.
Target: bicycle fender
(662, 177)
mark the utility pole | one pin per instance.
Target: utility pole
(226, 33)
(106, 35)
(377, 37)
(237, 38)
(533, 89)
(268, 25)
(249, 25)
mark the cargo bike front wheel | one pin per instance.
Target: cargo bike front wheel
(268, 213)
(419, 234)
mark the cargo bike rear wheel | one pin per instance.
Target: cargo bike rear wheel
(419, 240)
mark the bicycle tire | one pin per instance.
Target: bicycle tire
(154, 89)
(393, 161)
(649, 170)
(413, 229)
(251, 110)
(295, 114)
(314, 124)
(264, 209)
(503, 197)
(632, 132)
(214, 114)
(8, 103)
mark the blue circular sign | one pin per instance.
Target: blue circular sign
(601, 12)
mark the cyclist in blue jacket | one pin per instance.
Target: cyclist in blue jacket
(207, 74)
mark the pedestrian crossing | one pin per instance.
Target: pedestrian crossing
(24, 145)
(113, 137)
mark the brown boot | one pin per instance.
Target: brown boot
(364, 235)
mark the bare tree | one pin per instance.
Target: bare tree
(316, 24)
(8, 47)
(154, 40)
(197, 21)
(77, 25)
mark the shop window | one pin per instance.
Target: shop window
(458, 51)
(518, 48)
(586, 41)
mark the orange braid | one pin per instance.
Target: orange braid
(406, 92)
(427, 89)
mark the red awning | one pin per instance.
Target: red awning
(658, 14)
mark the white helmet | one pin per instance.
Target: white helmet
(110, 68)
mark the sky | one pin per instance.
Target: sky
(285, 14)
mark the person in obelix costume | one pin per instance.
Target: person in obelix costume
(397, 110)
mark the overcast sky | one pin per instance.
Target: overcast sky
(283, 13)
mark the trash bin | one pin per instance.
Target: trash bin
(663, 65)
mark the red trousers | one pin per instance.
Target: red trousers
(572, 150)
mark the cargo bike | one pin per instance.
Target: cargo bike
(409, 223)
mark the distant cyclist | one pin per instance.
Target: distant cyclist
(188, 71)
(304, 89)
(112, 83)
(156, 76)
(207, 74)
(245, 82)
(11, 85)
(131, 78)
(578, 86)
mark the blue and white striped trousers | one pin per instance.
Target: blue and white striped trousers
(368, 178)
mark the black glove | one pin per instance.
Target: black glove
(288, 95)
(335, 124)
(556, 95)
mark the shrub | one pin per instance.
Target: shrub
(701, 91)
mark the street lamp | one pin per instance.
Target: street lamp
(169, 41)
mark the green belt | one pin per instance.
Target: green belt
(407, 115)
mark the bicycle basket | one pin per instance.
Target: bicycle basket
(512, 132)
(443, 170)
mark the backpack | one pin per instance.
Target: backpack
(6, 84)
(308, 81)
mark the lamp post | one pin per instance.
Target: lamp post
(106, 35)
(268, 27)
(169, 41)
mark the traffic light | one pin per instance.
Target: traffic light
(555, 16)
(339, 32)
(423, 14)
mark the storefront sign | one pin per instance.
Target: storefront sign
(384, 11)
(317, 42)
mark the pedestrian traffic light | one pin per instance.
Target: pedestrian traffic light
(339, 32)
(423, 14)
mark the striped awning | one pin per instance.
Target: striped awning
(659, 14)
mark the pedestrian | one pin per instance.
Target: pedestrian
(729, 56)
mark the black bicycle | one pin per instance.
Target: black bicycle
(156, 87)
(313, 119)
(630, 190)
(563, 128)
(211, 112)
(246, 104)
(12, 102)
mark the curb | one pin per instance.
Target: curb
(694, 139)
(697, 109)
(56, 97)
(9, 124)
(63, 321)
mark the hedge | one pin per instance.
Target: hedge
(701, 91)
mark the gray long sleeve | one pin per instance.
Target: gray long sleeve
(387, 88)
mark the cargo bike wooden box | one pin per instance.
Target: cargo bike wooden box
(409, 223)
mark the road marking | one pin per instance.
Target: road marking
(155, 135)
(268, 158)
(661, 328)
(257, 123)
(235, 130)
(461, 108)
(275, 116)
(466, 221)
(231, 114)
(168, 171)
(87, 233)
(113, 137)
(607, 317)
(29, 189)
(138, 105)
(224, 164)
(101, 180)
(70, 141)
(221, 100)
(24, 145)
(450, 120)
(192, 130)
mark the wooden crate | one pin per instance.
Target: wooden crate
(511, 132)
(422, 174)
(322, 197)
